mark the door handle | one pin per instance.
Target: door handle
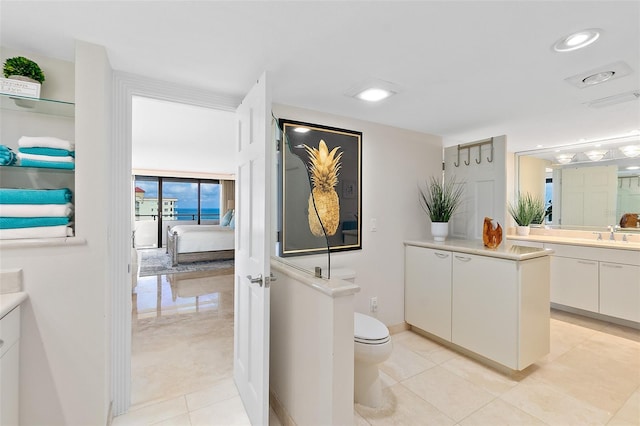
(463, 258)
(256, 280)
(441, 255)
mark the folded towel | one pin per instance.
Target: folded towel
(35, 210)
(31, 222)
(26, 162)
(35, 196)
(54, 152)
(7, 156)
(36, 157)
(45, 142)
(37, 232)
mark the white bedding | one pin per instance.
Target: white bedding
(197, 238)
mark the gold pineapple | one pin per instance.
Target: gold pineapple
(324, 167)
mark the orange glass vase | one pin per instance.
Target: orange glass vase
(491, 236)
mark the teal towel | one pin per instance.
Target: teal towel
(35, 196)
(31, 222)
(26, 162)
(54, 152)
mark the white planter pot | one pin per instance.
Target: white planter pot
(439, 230)
(523, 230)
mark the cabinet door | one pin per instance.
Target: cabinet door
(9, 386)
(485, 307)
(574, 282)
(620, 291)
(428, 290)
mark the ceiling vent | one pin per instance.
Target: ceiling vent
(599, 75)
(615, 99)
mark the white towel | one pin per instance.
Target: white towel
(67, 159)
(45, 142)
(37, 232)
(35, 210)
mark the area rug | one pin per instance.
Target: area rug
(158, 262)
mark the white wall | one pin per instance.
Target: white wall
(393, 162)
(64, 365)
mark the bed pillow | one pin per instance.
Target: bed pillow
(226, 218)
(232, 223)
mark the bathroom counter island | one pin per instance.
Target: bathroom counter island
(492, 304)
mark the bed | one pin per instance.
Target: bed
(194, 243)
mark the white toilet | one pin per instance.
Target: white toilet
(372, 346)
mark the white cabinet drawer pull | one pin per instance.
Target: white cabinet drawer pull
(441, 255)
(463, 258)
(610, 265)
(586, 262)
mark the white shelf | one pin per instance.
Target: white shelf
(37, 105)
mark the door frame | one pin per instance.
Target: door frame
(125, 86)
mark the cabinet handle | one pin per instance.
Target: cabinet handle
(611, 265)
(586, 262)
(441, 255)
(463, 258)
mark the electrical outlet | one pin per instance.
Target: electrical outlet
(373, 304)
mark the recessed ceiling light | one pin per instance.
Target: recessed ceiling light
(631, 150)
(539, 146)
(595, 155)
(565, 158)
(301, 129)
(598, 78)
(577, 40)
(374, 94)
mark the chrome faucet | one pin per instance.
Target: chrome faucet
(612, 229)
(599, 234)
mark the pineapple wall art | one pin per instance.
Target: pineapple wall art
(320, 193)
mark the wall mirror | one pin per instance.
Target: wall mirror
(587, 185)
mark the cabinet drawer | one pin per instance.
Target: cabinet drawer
(620, 291)
(9, 330)
(574, 282)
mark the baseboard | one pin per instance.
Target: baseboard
(279, 410)
(110, 414)
(398, 328)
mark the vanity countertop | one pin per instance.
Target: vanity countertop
(509, 250)
(8, 301)
(585, 242)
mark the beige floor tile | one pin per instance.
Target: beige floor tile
(449, 393)
(582, 321)
(500, 413)
(404, 363)
(400, 406)
(629, 414)
(488, 379)
(220, 391)
(386, 379)
(565, 336)
(152, 414)
(425, 347)
(225, 413)
(358, 420)
(181, 420)
(552, 405)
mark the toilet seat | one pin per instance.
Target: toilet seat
(369, 331)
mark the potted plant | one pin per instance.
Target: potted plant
(440, 199)
(21, 68)
(526, 210)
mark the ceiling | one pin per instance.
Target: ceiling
(462, 70)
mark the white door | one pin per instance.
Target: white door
(485, 185)
(252, 268)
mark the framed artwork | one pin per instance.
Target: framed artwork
(320, 177)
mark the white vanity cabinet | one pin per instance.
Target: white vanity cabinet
(427, 294)
(494, 303)
(9, 367)
(574, 282)
(620, 290)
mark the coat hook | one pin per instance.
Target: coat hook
(491, 159)
(468, 160)
(479, 159)
(458, 163)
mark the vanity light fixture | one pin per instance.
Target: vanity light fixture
(633, 168)
(301, 129)
(374, 94)
(631, 150)
(565, 158)
(577, 40)
(595, 155)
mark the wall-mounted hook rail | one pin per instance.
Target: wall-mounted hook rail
(479, 144)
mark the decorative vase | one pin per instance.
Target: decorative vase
(439, 230)
(491, 235)
(523, 230)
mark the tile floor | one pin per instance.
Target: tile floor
(182, 364)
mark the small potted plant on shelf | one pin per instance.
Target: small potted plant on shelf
(440, 199)
(527, 210)
(21, 68)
